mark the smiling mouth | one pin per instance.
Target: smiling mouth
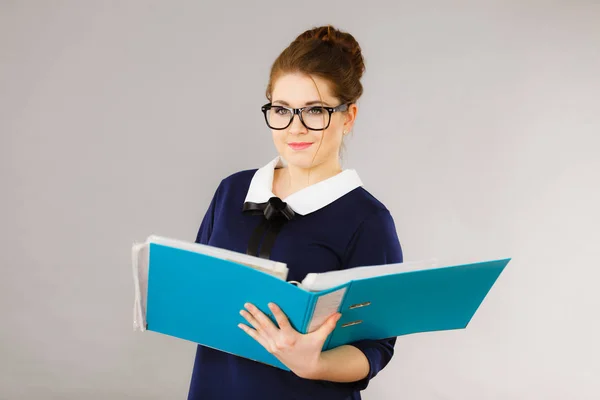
(300, 145)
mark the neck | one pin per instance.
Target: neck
(296, 178)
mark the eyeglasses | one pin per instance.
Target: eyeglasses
(314, 118)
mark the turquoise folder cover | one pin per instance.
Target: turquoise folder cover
(197, 297)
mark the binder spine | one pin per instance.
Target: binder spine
(341, 310)
(310, 310)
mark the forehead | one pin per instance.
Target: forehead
(299, 89)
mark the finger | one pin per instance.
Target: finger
(251, 320)
(329, 325)
(264, 323)
(254, 335)
(280, 317)
(260, 335)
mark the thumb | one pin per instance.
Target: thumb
(329, 325)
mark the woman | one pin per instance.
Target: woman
(320, 219)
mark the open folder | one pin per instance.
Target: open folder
(195, 292)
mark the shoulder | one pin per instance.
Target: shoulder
(365, 206)
(376, 217)
(368, 200)
(374, 240)
(237, 178)
(232, 189)
(235, 182)
(359, 215)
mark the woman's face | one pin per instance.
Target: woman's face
(298, 145)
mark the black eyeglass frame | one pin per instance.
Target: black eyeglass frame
(298, 111)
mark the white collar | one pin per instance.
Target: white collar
(307, 200)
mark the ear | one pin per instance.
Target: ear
(350, 117)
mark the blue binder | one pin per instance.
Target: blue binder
(198, 297)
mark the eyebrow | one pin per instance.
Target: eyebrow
(308, 103)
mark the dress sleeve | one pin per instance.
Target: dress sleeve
(206, 226)
(374, 243)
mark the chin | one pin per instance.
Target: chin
(303, 160)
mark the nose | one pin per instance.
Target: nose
(297, 127)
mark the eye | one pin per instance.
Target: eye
(281, 110)
(316, 110)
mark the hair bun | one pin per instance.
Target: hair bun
(343, 40)
(325, 52)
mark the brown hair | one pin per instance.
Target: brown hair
(328, 53)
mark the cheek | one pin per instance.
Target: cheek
(278, 137)
(332, 138)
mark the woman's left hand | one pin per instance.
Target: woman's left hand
(301, 353)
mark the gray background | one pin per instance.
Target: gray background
(479, 129)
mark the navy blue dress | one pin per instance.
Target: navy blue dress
(339, 225)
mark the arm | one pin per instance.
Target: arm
(342, 364)
(303, 354)
(374, 243)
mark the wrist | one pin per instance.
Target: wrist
(315, 371)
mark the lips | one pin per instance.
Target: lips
(299, 145)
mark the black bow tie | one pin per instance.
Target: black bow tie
(276, 213)
(272, 209)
